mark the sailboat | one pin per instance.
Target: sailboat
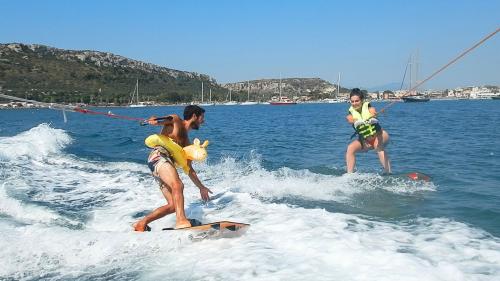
(134, 101)
(283, 100)
(230, 102)
(210, 103)
(335, 99)
(414, 96)
(248, 102)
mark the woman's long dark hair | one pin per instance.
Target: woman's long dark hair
(357, 92)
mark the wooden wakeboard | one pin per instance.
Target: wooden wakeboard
(218, 225)
(417, 176)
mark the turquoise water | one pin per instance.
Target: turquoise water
(71, 190)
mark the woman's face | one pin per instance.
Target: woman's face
(356, 102)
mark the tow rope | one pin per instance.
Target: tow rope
(441, 69)
(78, 109)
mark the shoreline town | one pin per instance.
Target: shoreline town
(461, 93)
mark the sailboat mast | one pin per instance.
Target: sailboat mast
(411, 74)
(416, 71)
(137, 89)
(248, 93)
(280, 86)
(338, 87)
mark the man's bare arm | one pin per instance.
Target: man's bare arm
(161, 121)
(203, 189)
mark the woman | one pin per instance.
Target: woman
(371, 135)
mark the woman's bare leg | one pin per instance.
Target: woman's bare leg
(350, 155)
(383, 156)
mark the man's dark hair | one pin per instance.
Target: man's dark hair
(192, 109)
(357, 92)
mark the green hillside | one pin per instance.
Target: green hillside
(53, 75)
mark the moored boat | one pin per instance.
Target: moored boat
(415, 98)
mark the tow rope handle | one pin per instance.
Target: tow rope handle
(146, 121)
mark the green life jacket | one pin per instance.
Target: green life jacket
(365, 130)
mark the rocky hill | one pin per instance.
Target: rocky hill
(49, 74)
(313, 88)
(54, 75)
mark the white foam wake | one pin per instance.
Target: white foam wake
(283, 242)
(36, 143)
(28, 214)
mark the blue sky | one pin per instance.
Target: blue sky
(369, 42)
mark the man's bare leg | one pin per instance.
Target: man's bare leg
(157, 213)
(180, 215)
(168, 174)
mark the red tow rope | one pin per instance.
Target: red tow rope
(88, 111)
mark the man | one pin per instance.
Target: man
(371, 135)
(163, 168)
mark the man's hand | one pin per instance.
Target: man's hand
(152, 120)
(204, 193)
(359, 123)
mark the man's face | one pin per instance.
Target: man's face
(198, 121)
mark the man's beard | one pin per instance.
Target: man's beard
(195, 126)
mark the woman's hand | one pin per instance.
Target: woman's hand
(359, 123)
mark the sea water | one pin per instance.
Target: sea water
(69, 193)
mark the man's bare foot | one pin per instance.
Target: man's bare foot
(141, 226)
(182, 224)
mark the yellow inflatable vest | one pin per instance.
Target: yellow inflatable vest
(181, 155)
(366, 130)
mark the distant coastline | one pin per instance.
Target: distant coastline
(91, 78)
(24, 105)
